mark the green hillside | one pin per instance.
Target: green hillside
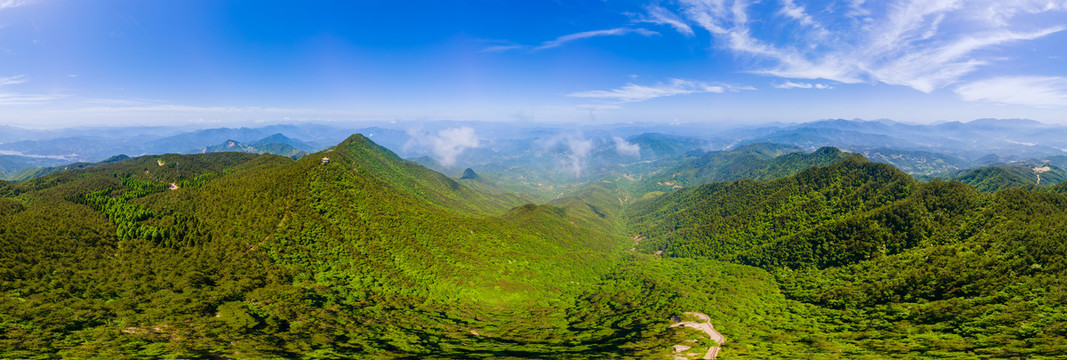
(366, 255)
(260, 147)
(10, 165)
(756, 161)
(260, 256)
(915, 162)
(926, 270)
(995, 178)
(34, 172)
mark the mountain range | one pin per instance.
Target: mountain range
(355, 252)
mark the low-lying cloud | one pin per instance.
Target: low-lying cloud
(626, 148)
(577, 151)
(446, 145)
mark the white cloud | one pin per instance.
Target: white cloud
(661, 16)
(801, 85)
(579, 151)
(7, 4)
(922, 44)
(626, 148)
(560, 41)
(26, 99)
(634, 93)
(1017, 90)
(798, 13)
(12, 98)
(595, 33)
(502, 48)
(576, 153)
(13, 80)
(447, 145)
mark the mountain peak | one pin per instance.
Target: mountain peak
(279, 138)
(469, 174)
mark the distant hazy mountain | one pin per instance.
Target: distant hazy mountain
(969, 141)
(27, 173)
(916, 162)
(659, 146)
(11, 164)
(564, 154)
(762, 161)
(276, 144)
(278, 138)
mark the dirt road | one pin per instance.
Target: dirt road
(704, 325)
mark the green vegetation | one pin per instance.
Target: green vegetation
(756, 161)
(260, 147)
(367, 255)
(995, 178)
(928, 270)
(915, 162)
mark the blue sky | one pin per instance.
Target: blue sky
(72, 63)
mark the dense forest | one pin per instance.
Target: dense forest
(935, 269)
(353, 252)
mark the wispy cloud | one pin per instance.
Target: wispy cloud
(801, 85)
(1017, 90)
(12, 80)
(922, 44)
(562, 40)
(634, 93)
(7, 4)
(658, 15)
(595, 33)
(502, 48)
(26, 99)
(16, 98)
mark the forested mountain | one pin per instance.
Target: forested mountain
(33, 172)
(239, 255)
(11, 164)
(662, 146)
(353, 252)
(560, 157)
(763, 161)
(927, 270)
(995, 178)
(915, 162)
(260, 147)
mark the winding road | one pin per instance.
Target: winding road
(705, 326)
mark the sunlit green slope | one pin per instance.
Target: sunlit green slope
(248, 256)
(920, 270)
(369, 256)
(755, 161)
